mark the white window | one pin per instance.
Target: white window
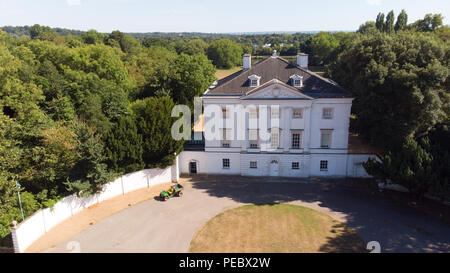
(253, 138)
(226, 163)
(297, 113)
(226, 138)
(324, 165)
(296, 139)
(325, 138)
(295, 165)
(253, 164)
(327, 113)
(254, 80)
(274, 138)
(296, 80)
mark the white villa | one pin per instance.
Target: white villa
(310, 138)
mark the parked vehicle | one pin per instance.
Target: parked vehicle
(175, 190)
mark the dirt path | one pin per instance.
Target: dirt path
(92, 215)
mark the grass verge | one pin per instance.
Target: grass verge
(281, 228)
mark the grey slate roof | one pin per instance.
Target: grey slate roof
(278, 68)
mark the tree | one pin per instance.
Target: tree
(324, 46)
(402, 21)
(443, 33)
(152, 69)
(193, 75)
(46, 165)
(191, 47)
(225, 53)
(421, 166)
(379, 23)
(429, 23)
(154, 122)
(126, 43)
(46, 34)
(9, 208)
(436, 143)
(389, 24)
(93, 37)
(90, 173)
(399, 84)
(124, 147)
(368, 27)
(410, 166)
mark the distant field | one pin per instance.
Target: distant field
(222, 73)
(320, 70)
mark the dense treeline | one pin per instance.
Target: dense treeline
(322, 47)
(399, 75)
(77, 111)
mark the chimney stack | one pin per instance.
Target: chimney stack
(247, 61)
(302, 60)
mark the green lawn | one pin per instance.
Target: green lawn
(275, 228)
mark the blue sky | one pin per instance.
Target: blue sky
(210, 15)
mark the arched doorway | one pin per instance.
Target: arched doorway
(274, 168)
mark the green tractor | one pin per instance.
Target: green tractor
(175, 190)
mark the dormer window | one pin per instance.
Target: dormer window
(254, 80)
(296, 80)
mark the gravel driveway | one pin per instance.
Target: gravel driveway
(155, 226)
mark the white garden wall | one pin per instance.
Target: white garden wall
(43, 220)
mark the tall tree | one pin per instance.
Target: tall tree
(410, 166)
(379, 23)
(324, 45)
(90, 172)
(225, 53)
(154, 122)
(402, 21)
(430, 22)
(389, 24)
(193, 75)
(399, 82)
(123, 146)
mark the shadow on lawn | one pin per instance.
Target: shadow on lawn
(397, 227)
(348, 241)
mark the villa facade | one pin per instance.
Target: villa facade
(276, 118)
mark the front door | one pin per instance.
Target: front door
(274, 168)
(192, 167)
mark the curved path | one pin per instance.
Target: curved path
(155, 226)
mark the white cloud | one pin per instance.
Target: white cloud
(374, 2)
(73, 2)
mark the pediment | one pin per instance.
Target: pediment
(275, 90)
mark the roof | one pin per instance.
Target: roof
(278, 68)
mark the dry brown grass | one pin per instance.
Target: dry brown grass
(222, 73)
(275, 228)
